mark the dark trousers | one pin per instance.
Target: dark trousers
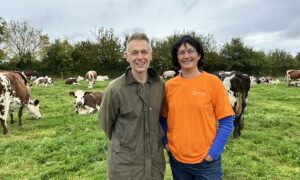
(206, 170)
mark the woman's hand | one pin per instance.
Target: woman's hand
(208, 158)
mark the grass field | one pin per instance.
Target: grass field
(64, 145)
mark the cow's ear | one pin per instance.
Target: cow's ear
(72, 94)
(36, 102)
(86, 93)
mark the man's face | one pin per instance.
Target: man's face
(138, 55)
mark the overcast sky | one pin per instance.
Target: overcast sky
(262, 24)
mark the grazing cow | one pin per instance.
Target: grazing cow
(91, 77)
(30, 74)
(86, 102)
(72, 81)
(168, 74)
(237, 86)
(292, 77)
(43, 81)
(14, 95)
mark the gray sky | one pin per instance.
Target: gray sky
(262, 24)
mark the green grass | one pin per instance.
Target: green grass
(64, 145)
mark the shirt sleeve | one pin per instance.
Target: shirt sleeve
(163, 123)
(108, 112)
(225, 129)
(222, 104)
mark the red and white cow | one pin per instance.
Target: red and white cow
(86, 102)
(237, 85)
(102, 78)
(91, 77)
(73, 81)
(293, 77)
(14, 95)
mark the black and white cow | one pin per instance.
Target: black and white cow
(14, 95)
(237, 85)
(86, 102)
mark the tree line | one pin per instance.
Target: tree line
(24, 47)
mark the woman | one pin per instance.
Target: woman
(196, 103)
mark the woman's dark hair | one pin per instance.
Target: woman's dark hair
(187, 39)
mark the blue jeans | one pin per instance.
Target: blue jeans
(206, 170)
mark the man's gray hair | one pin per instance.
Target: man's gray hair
(138, 36)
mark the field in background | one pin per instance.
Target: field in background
(64, 145)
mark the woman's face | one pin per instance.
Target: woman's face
(188, 57)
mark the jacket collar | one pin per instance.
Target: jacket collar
(152, 76)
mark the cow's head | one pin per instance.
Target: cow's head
(34, 109)
(79, 98)
(91, 84)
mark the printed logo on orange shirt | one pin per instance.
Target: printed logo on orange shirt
(197, 93)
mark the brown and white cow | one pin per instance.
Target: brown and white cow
(237, 85)
(14, 95)
(86, 102)
(91, 77)
(292, 76)
(73, 81)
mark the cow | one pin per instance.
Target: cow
(30, 74)
(86, 102)
(254, 80)
(237, 86)
(102, 78)
(14, 95)
(269, 80)
(292, 75)
(168, 74)
(43, 81)
(72, 81)
(294, 83)
(91, 77)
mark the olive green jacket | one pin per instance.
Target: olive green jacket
(129, 116)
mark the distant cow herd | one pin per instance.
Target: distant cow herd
(15, 93)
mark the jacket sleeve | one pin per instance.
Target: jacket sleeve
(108, 113)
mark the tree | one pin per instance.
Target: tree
(58, 58)
(162, 50)
(239, 57)
(110, 53)
(22, 39)
(280, 61)
(2, 30)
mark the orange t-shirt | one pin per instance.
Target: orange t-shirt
(192, 108)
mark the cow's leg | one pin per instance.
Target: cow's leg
(20, 115)
(11, 113)
(236, 132)
(3, 115)
(92, 110)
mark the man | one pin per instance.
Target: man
(129, 115)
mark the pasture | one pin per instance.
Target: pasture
(64, 145)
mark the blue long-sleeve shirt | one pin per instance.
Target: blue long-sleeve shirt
(225, 129)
